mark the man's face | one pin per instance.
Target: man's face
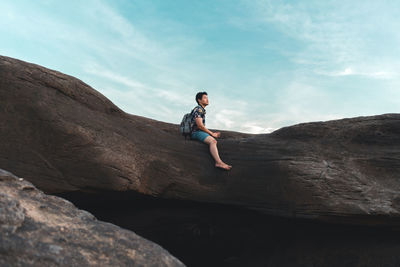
(204, 100)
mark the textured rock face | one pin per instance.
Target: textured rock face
(43, 230)
(62, 135)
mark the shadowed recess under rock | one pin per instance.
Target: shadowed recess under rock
(203, 234)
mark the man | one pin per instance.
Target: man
(201, 133)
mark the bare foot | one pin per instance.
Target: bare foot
(223, 165)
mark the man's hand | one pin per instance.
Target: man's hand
(216, 134)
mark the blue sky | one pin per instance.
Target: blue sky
(264, 64)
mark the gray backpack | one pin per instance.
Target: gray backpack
(186, 125)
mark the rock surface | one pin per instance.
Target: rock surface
(62, 135)
(43, 230)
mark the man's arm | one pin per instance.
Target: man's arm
(200, 125)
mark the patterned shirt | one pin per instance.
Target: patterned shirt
(198, 112)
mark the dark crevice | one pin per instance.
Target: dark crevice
(201, 234)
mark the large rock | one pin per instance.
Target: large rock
(43, 230)
(62, 135)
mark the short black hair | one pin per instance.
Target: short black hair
(199, 95)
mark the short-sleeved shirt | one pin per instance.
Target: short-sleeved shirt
(198, 112)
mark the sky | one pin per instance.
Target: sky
(264, 64)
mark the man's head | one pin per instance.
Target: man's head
(202, 98)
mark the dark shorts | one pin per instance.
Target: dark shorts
(199, 135)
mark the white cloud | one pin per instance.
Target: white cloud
(255, 128)
(238, 115)
(226, 118)
(299, 102)
(347, 71)
(350, 71)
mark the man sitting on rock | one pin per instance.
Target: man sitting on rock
(201, 133)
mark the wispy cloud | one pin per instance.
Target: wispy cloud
(96, 69)
(350, 71)
(333, 35)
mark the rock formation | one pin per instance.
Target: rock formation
(62, 135)
(44, 230)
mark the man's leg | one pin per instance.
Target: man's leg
(214, 152)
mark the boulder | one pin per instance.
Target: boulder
(44, 230)
(64, 136)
